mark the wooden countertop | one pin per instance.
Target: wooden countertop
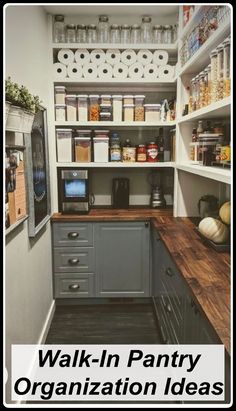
(206, 272)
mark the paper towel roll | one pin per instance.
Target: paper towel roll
(166, 72)
(113, 56)
(82, 56)
(90, 71)
(136, 71)
(144, 57)
(97, 56)
(128, 57)
(74, 70)
(160, 57)
(151, 71)
(104, 71)
(59, 70)
(120, 71)
(66, 56)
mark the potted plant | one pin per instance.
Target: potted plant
(23, 106)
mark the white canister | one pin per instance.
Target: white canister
(60, 94)
(71, 107)
(117, 107)
(101, 149)
(83, 107)
(64, 145)
(60, 112)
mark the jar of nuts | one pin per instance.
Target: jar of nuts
(139, 108)
(93, 107)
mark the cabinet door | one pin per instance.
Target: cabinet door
(122, 259)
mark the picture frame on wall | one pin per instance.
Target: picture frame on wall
(38, 174)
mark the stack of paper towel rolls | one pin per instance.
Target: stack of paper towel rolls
(113, 63)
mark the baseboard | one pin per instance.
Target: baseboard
(47, 323)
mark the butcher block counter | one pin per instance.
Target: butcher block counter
(206, 271)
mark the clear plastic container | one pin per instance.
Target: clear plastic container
(167, 34)
(190, 102)
(70, 33)
(82, 107)
(209, 83)
(214, 76)
(139, 108)
(105, 116)
(157, 33)
(59, 29)
(60, 94)
(105, 99)
(128, 99)
(93, 107)
(64, 145)
(60, 112)
(197, 92)
(125, 34)
(135, 35)
(92, 33)
(103, 29)
(115, 34)
(220, 72)
(226, 45)
(202, 102)
(82, 145)
(152, 112)
(146, 30)
(117, 107)
(106, 108)
(101, 146)
(81, 33)
(128, 112)
(71, 107)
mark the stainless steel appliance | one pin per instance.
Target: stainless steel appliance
(120, 192)
(157, 199)
(73, 191)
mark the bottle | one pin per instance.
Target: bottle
(199, 128)
(194, 135)
(115, 148)
(161, 145)
(59, 29)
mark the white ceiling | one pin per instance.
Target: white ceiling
(94, 9)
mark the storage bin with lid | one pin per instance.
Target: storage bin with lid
(64, 145)
(60, 112)
(81, 34)
(128, 99)
(220, 71)
(93, 107)
(105, 116)
(226, 45)
(105, 108)
(71, 107)
(70, 33)
(128, 112)
(139, 107)
(60, 94)
(117, 107)
(59, 29)
(105, 99)
(82, 107)
(152, 112)
(82, 145)
(101, 146)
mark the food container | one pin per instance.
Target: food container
(71, 107)
(60, 94)
(117, 107)
(115, 148)
(64, 145)
(101, 146)
(105, 108)
(105, 99)
(128, 99)
(60, 112)
(82, 107)
(128, 112)
(152, 152)
(105, 117)
(226, 45)
(141, 153)
(93, 107)
(129, 154)
(214, 76)
(207, 147)
(139, 108)
(220, 72)
(202, 102)
(194, 153)
(152, 112)
(83, 148)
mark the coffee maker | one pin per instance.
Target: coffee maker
(157, 199)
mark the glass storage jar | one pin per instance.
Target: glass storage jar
(167, 34)
(209, 82)
(59, 29)
(220, 72)
(92, 33)
(128, 112)
(83, 107)
(214, 76)
(93, 107)
(103, 29)
(190, 102)
(71, 107)
(157, 34)
(60, 94)
(70, 33)
(81, 34)
(139, 108)
(115, 34)
(226, 45)
(117, 107)
(125, 34)
(146, 30)
(135, 35)
(60, 112)
(206, 90)
(202, 89)
(197, 93)
(152, 112)
(64, 145)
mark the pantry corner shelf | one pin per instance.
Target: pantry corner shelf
(214, 173)
(171, 48)
(218, 109)
(118, 165)
(121, 125)
(112, 81)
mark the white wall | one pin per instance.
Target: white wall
(28, 292)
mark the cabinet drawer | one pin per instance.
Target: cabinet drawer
(74, 259)
(73, 285)
(168, 321)
(73, 234)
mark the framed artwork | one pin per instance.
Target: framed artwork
(38, 173)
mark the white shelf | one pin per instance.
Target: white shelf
(105, 124)
(202, 57)
(215, 110)
(118, 165)
(189, 24)
(171, 48)
(111, 81)
(214, 173)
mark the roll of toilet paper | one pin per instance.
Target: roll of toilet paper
(97, 56)
(104, 71)
(120, 71)
(82, 56)
(66, 56)
(113, 56)
(136, 71)
(128, 57)
(74, 70)
(90, 71)
(151, 71)
(59, 70)
(144, 57)
(166, 72)
(160, 57)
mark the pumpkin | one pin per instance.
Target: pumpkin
(225, 213)
(214, 230)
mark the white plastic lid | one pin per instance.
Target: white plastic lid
(60, 88)
(105, 96)
(82, 138)
(118, 96)
(83, 131)
(105, 114)
(152, 105)
(82, 95)
(105, 105)
(128, 105)
(63, 130)
(93, 96)
(60, 105)
(139, 96)
(71, 96)
(101, 131)
(100, 138)
(129, 96)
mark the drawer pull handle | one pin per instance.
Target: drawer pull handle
(73, 235)
(73, 261)
(74, 287)
(169, 272)
(168, 308)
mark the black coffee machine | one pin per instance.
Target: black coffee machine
(120, 193)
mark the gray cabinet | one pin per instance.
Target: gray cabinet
(122, 259)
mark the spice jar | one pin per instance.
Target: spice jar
(214, 76)
(81, 35)
(60, 94)
(71, 107)
(220, 72)
(135, 35)
(117, 107)
(157, 34)
(93, 107)
(128, 152)
(70, 33)
(226, 45)
(60, 112)
(128, 112)
(83, 107)
(152, 152)
(139, 108)
(141, 153)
